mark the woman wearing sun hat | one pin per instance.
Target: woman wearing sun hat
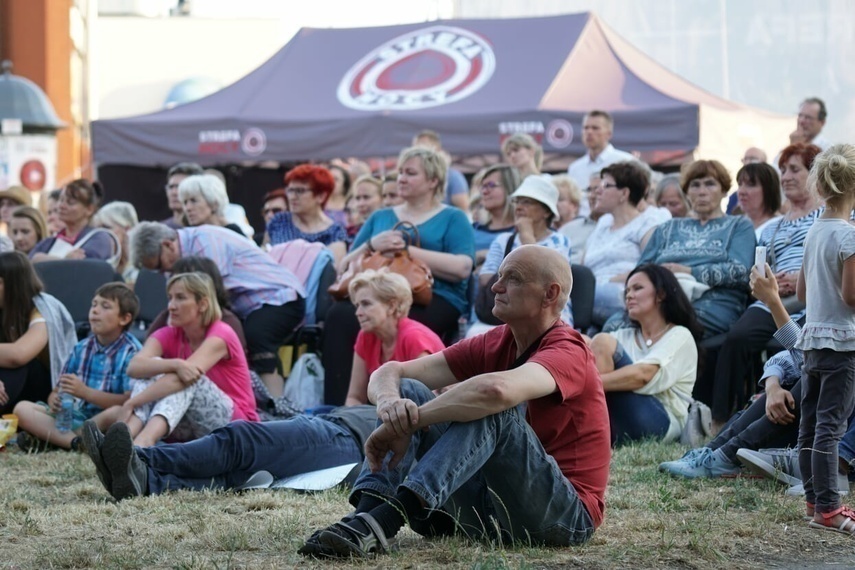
(535, 205)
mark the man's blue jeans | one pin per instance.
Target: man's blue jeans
(228, 456)
(492, 475)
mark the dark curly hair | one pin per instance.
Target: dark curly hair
(675, 306)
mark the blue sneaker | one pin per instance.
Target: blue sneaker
(688, 458)
(706, 464)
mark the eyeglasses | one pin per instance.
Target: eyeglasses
(297, 190)
(273, 211)
(808, 117)
(490, 185)
(607, 186)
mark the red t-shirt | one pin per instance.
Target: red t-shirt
(414, 339)
(571, 424)
(231, 374)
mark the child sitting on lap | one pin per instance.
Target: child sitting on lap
(95, 372)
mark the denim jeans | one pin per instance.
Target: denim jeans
(491, 474)
(635, 416)
(230, 455)
(828, 396)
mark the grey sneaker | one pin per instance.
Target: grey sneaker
(707, 464)
(781, 465)
(93, 440)
(129, 473)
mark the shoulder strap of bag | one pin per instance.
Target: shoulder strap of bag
(510, 245)
(114, 259)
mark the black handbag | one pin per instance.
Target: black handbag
(485, 299)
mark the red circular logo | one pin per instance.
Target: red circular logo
(33, 175)
(425, 68)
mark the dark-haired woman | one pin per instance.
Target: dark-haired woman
(36, 334)
(648, 369)
(759, 195)
(78, 202)
(307, 188)
(615, 245)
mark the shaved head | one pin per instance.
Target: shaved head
(545, 266)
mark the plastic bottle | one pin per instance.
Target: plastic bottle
(66, 412)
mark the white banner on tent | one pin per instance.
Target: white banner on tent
(28, 161)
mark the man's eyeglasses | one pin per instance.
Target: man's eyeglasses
(273, 211)
(808, 117)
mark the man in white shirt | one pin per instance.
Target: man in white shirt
(597, 129)
(812, 114)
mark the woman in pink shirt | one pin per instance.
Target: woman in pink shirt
(382, 302)
(198, 378)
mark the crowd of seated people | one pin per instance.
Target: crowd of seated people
(673, 315)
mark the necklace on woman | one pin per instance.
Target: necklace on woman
(654, 337)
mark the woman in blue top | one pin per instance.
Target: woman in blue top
(447, 247)
(307, 189)
(710, 253)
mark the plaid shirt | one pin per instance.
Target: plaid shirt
(103, 368)
(251, 276)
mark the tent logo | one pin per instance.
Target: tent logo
(425, 68)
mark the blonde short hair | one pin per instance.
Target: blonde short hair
(122, 214)
(526, 141)
(434, 165)
(201, 286)
(209, 187)
(566, 186)
(389, 288)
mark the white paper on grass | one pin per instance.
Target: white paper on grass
(315, 480)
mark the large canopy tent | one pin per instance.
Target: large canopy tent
(365, 92)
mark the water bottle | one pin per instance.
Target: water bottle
(66, 412)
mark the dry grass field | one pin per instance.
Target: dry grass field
(55, 514)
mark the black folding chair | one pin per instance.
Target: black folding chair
(150, 288)
(74, 282)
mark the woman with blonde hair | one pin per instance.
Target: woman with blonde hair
(447, 246)
(120, 218)
(27, 228)
(196, 370)
(382, 301)
(523, 153)
(497, 184)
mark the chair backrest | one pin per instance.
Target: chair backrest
(150, 288)
(74, 282)
(582, 296)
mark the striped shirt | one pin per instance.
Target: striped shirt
(251, 276)
(103, 368)
(787, 364)
(785, 241)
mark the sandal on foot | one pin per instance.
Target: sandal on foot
(346, 541)
(846, 527)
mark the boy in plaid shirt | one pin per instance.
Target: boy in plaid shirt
(95, 372)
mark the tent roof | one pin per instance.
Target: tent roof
(547, 72)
